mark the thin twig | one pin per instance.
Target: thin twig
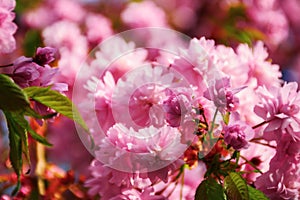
(265, 144)
(252, 165)
(260, 124)
(8, 65)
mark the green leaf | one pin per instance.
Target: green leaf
(24, 124)
(209, 189)
(255, 194)
(12, 97)
(22, 133)
(57, 102)
(236, 187)
(25, 149)
(15, 145)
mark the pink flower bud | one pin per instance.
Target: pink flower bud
(238, 134)
(44, 55)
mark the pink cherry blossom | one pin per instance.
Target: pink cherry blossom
(44, 55)
(25, 71)
(184, 17)
(121, 185)
(223, 96)
(65, 9)
(39, 17)
(36, 71)
(145, 150)
(7, 27)
(261, 72)
(118, 56)
(99, 183)
(57, 36)
(144, 14)
(282, 180)
(72, 48)
(149, 97)
(129, 194)
(192, 178)
(139, 96)
(278, 184)
(237, 134)
(269, 18)
(199, 54)
(175, 107)
(287, 149)
(248, 99)
(98, 27)
(69, 66)
(195, 62)
(101, 93)
(276, 29)
(61, 10)
(182, 13)
(226, 60)
(250, 67)
(279, 107)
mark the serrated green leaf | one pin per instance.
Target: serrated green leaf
(12, 97)
(209, 189)
(24, 124)
(255, 194)
(236, 187)
(15, 145)
(56, 101)
(34, 91)
(24, 139)
(15, 142)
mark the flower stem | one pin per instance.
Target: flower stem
(265, 144)
(8, 65)
(237, 159)
(182, 185)
(260, 124)
(250, 163)
(41, 160)
(210, 131)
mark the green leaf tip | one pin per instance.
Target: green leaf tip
(255, 194)
(12, 97)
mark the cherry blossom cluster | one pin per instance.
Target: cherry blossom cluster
(168, 109)
(165, 112)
